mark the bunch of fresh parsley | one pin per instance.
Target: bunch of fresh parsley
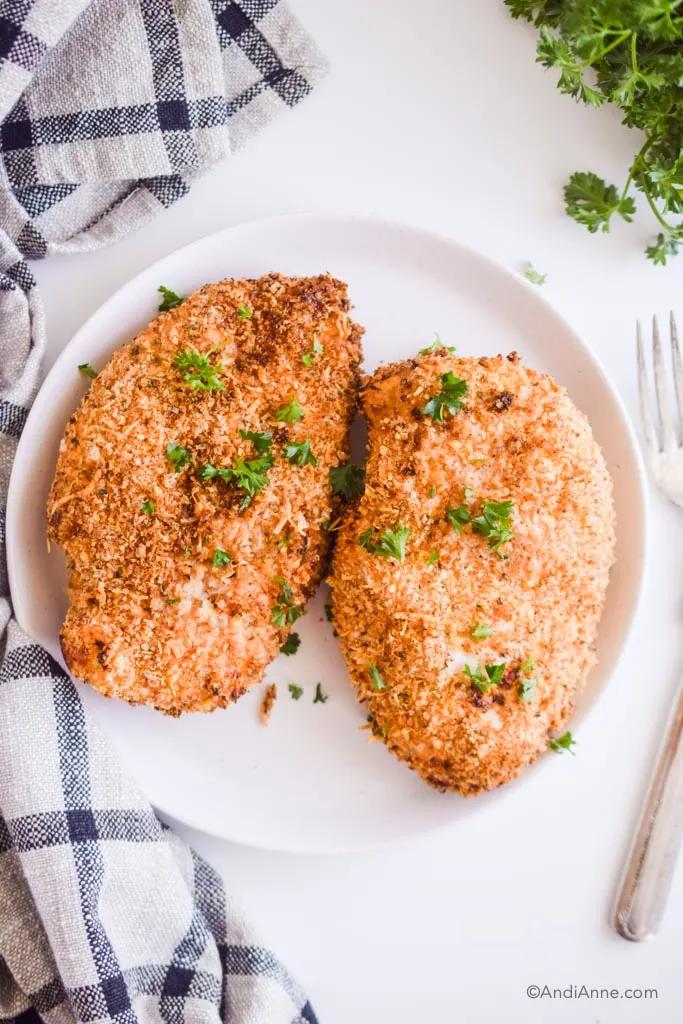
(627, 52)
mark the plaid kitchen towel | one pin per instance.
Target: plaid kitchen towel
(108, 109)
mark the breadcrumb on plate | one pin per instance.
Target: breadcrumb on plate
(425, 637)
(269, 698)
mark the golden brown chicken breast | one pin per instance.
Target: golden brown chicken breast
(192, 490)
(469, 579)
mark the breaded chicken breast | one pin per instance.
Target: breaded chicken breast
(192, 490)
(469, 579)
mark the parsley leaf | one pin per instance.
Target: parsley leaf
(434, 556)
(436, 346)
(177, 456)
(320, 697)
(248, 474)
(482, 632)
(347, 480)
(244, 313)
(531, 274)
(148, 507)
(453, 390)
(87, 370)
(375, 678)
(290, 413)
(392, 543)
(458, 517)
(328, 613)
(495, 523)
(309, 358)
(590, 201)
(284, 612)
(484, 680)
(562, 743)
(169, 299)
(296, 691)
(299, 453)
(291, 644)
(221, 558)
(261, 442)
(198, 372)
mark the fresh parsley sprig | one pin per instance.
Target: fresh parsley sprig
(250, 475)
(299, 453)
(309, 357)
(261, 442)
(289, 413)
(284, 612)
(625, 52)
(495, 523)
(169, 299)
(484, 679)
(348, 480)
(449, 399)
(198, 372)
(392, 543)
(178, 456)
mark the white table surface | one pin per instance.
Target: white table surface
(435, 113)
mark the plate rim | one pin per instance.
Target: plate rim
(471, 254)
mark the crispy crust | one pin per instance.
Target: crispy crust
(151, 621)
(414, 621)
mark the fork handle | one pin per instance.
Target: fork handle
(652, 859)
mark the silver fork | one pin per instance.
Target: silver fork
(652, 860)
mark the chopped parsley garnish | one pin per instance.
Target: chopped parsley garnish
(495, 523)
(309, 358)
(436, 346)
(290, 413)
(347, 480)
(491, 676)
(291, 644)
(527, 689)
(284, 541)
(299, 453)
(220, 558)
(169, 299)
(320, 697)
(198, 372)
(296, 691)
(392, 543)
(87, 369)
(177, 456)
(148, 507)
(172, 600)
(434, 556)
(328, 612)
(563, 743)
(531, 274)
(432, 492)
(482, 632)
(458, 517)
(249, 475)
(478, 458)
(376, 679)
(261, 442)
(244, 313)
(284, 612)
(453, 390)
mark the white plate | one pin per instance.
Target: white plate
(311, 781)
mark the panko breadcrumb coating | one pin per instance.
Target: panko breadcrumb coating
(181, 591)
(418, 635)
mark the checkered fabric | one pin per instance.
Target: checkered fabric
(108, 109)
